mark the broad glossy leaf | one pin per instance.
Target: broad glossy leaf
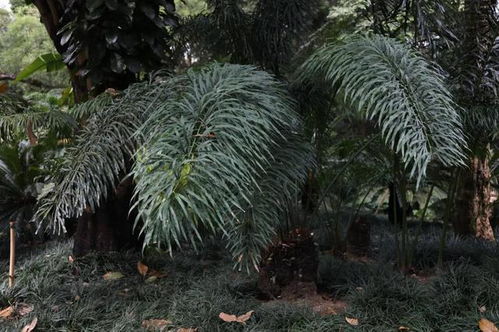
(48, 62)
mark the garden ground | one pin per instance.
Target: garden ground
(108, 293)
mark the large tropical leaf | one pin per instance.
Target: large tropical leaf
(218, 150)
(389, 83)
(221, 155)
(48, 62)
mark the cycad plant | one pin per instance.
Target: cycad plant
(29, 135)
(216, 150)
(403, 94)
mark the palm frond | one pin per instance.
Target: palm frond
(16, 114)
(217, 150)
(213, 160)
(98, 159)
(387, 82)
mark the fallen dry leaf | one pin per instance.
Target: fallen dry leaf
(7, 312)
(4, 87)
(71, 259)
(187, 329)
(352, 321)
(31, 326)
(486, 325)
(156, 324)
(142, 268)
(112, 92)
(233, 318)
(113, 275)
(403, 328)
(22, 309)
(482, 309)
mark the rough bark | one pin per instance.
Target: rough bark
(51, 12)
(110, 228)
(474, 204)
(293, 259)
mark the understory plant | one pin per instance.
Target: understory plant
(217, 150)
(403, 95)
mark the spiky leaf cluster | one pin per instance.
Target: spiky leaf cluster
(218, 150)
(100, 156)
(406, 96)
(16, 114)
(221, 155)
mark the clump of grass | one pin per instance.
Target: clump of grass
(389, 299)
(75, 297)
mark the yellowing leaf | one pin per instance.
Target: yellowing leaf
(352, 321)
(156, 324)
(113, 276)
(486, 325)
(233, 318)
(31, 326)
(142, 268)
(7, 312)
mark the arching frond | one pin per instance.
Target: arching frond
(219, 151)
(98, 159)
(391, 84)
(16, 114)
(220, 155)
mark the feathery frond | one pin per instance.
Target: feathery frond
(218, 150)
(213, 160)
(16, 114)
(98, 159)
(391, 84)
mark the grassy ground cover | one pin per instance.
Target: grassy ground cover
(74, 296)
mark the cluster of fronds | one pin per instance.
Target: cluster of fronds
(264, 32)
(431, 24)
(99, 157)
(221, 155)
(217, 150)
(17, 114)
(406, 96)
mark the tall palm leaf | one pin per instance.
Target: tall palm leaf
(218, 150)
(405, 95)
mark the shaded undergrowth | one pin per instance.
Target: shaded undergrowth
(73, 296)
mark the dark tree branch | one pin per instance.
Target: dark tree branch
(30, 81)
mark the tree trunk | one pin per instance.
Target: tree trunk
(394, 206)
(474, 204)
(110, 228)
(51, 12)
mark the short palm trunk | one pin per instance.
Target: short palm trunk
(294, 259)
(110, 228)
